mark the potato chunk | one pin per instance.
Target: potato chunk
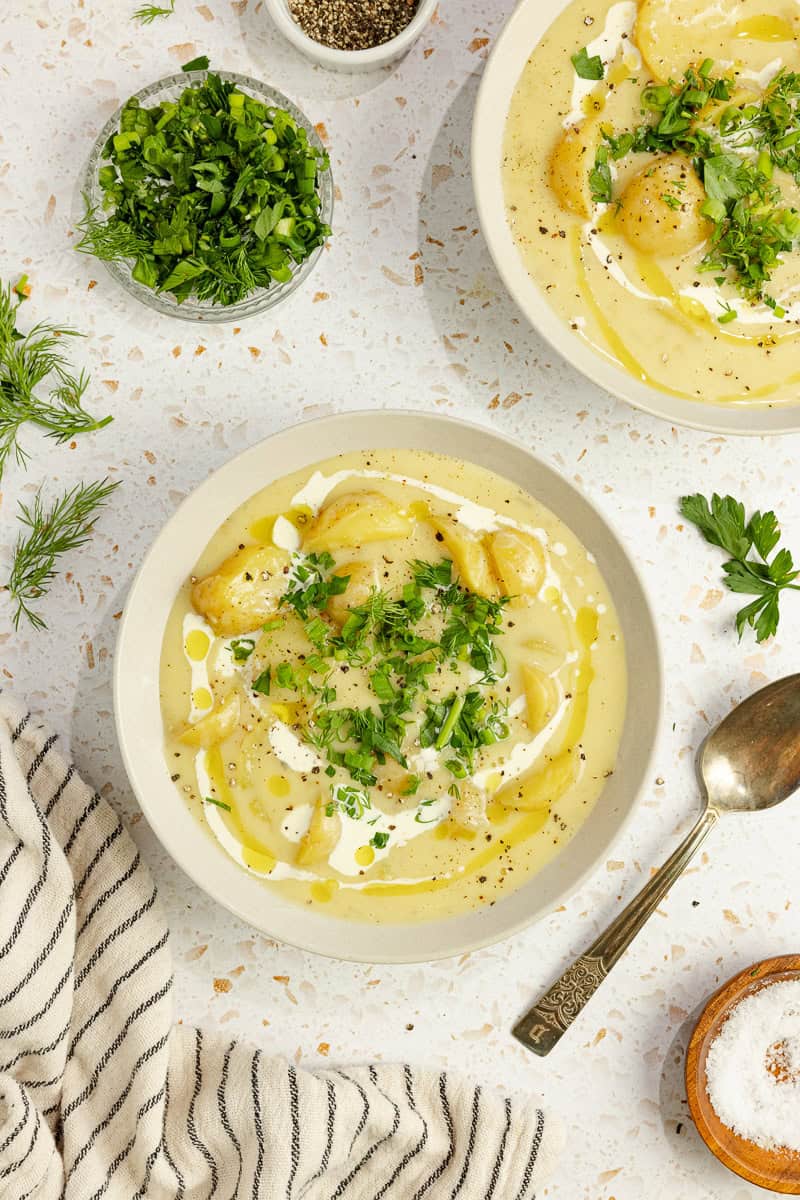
(541, 697)
(322, 836)
(356, 519)
(214, 728)
(243, 591)
(468, 810)
(649, 223)
(570, 163)
(674, 33)
(468, 552)
(541, 787)
(363, 581)
(519, 564)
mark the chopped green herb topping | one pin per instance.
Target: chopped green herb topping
(379, 840)
(588, 66)
(242, 648)
(217, 803)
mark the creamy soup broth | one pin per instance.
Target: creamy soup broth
(434, 852)
(649, 309)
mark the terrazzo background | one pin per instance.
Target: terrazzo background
(404, 310)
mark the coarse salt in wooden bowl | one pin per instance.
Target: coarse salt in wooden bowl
(776, 1170)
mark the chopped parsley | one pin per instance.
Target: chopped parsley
(242, 648)
(263, 682)
(588, 66)
(312, 584)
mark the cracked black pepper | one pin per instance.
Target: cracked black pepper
(353, 24)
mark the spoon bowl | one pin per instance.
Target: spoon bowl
(751, 761)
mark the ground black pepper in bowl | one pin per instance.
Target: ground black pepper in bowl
(352, 24)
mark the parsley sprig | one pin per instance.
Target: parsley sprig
(749, 570)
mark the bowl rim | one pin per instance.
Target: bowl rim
(514, 45)
(332, 57)
(127, 664)
(264, 298)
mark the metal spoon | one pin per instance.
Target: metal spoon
(750, 762)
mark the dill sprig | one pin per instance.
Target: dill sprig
(26, 362)
(150, 12)
(64, 525)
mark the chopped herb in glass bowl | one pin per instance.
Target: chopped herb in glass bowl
(208, 196)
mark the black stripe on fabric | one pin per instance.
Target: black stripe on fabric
(112, 1049)
(80, 822)
(123, 978)
(59, 792)
(326, 1155)
(191, 1127)
(59, 929)
(498, 1162)
(149, 1163)
(8, 864)
(257, 1123)
(11, 1167)
(4, 802)
(37, 1052)
(410, 1154)
(40, 1083)
(222, 1106)
(375, 1145)
(30, 900)
(15, 733)
(448, 1120)
(47, 746)
(144, 1109)
(123, 927)
(365, 1111)
(26, 1108)
(108, 893)
(181, 1182)
(101, 851)
(534, 1154)
(18, 1029)
(468, 1157)
(143, 1058)
(294, 1112)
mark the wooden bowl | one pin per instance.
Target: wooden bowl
(775, 1170)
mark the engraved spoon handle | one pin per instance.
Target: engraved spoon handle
(544, 1024)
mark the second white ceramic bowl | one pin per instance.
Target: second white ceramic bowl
(512, 49)
(351, 62)
(138, 713)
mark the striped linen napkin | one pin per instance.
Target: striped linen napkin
(101, 1096)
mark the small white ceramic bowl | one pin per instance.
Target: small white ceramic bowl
(138, 713)
(524, 30)
(350, 61)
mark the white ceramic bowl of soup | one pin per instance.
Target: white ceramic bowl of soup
(521, 36)
(171, 560)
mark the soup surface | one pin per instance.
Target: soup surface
(651, 165)
(393, 687)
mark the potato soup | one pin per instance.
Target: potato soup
(393, 687)
(651, 165)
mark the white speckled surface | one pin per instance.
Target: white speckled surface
(405, 309)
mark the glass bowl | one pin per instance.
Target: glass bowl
(169, 88)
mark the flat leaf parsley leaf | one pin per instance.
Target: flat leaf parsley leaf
(723, 523)
(588, 66)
